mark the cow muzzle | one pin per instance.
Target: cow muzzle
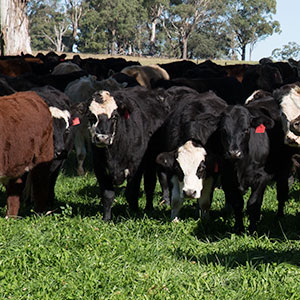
(102, 140)
(234, 154)
(190, 193)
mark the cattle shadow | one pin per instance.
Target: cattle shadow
(243, 256)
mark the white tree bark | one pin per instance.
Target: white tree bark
(14, 27)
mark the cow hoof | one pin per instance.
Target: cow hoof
(176, 220)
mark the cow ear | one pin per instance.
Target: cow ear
(166, 159)
(125, 110)
(266, 121)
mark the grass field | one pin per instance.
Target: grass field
(73, 254)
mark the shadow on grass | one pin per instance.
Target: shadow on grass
(253, 257)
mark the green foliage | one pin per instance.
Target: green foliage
(183, 29)
(291, 50)
(251, 21)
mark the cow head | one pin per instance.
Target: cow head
(62, 131)
(235, 130)
(288, 98)
(187, 163)
(103, 115)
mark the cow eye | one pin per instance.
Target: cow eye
(246, 130)
(201, 170)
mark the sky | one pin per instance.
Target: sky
(287, 14)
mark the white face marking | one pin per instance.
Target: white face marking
(60, 114)
(189, 159)
(108, 106)
(290, 108)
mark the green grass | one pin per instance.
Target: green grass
(73, 254)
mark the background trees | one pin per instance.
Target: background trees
(177, 28)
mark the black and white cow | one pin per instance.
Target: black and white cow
(63, 129)
(183, 151)
(288, 99)
(253, 153)
(121, 124)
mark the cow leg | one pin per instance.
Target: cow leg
(133, 190)
(205, 199)
(40, 180)
(234, 199)
(282, 193)
(79, 144)
(13, 190)
(255, 202)
(163, 180)
(176, 198)
(149, 186)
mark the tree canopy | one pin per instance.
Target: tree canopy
(177, 28)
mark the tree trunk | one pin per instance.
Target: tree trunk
(14, 27)
(153, 37)
(113, 49)
(184, 48)
(244, 52)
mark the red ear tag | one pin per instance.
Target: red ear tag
(126, 114)
(76, 121)
(260, 129)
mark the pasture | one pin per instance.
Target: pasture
(72, 254)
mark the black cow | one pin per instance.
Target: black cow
(184, 153)
(120, 125)
(63, 129)
(254, 153)
(227, 88)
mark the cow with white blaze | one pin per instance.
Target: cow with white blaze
(121, 124)
(288, 99)
(184, 151)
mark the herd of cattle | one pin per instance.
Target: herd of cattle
(188, 125)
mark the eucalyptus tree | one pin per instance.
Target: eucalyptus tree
(14, 34)
(154, 9)
(290, 50)
(251, 21)
(184, 17)
(49, 25)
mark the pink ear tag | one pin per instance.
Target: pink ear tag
(76, 121)
(126, 114)
(260, 129)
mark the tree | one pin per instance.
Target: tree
(291, 50)
(183, 17)
(75, 10)
(250, 21)
(49, 25)
(154, 10)
(14, 27)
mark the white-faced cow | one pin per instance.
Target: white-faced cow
(26, 145)
(185, 155)
(288, 99)
(81, 90)
(121, 124)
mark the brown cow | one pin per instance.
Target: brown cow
(26, 145)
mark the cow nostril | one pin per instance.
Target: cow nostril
(235, 153)
(190, 193)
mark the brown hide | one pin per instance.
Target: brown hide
(14, 67)
(144, 74)
(26, 143)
